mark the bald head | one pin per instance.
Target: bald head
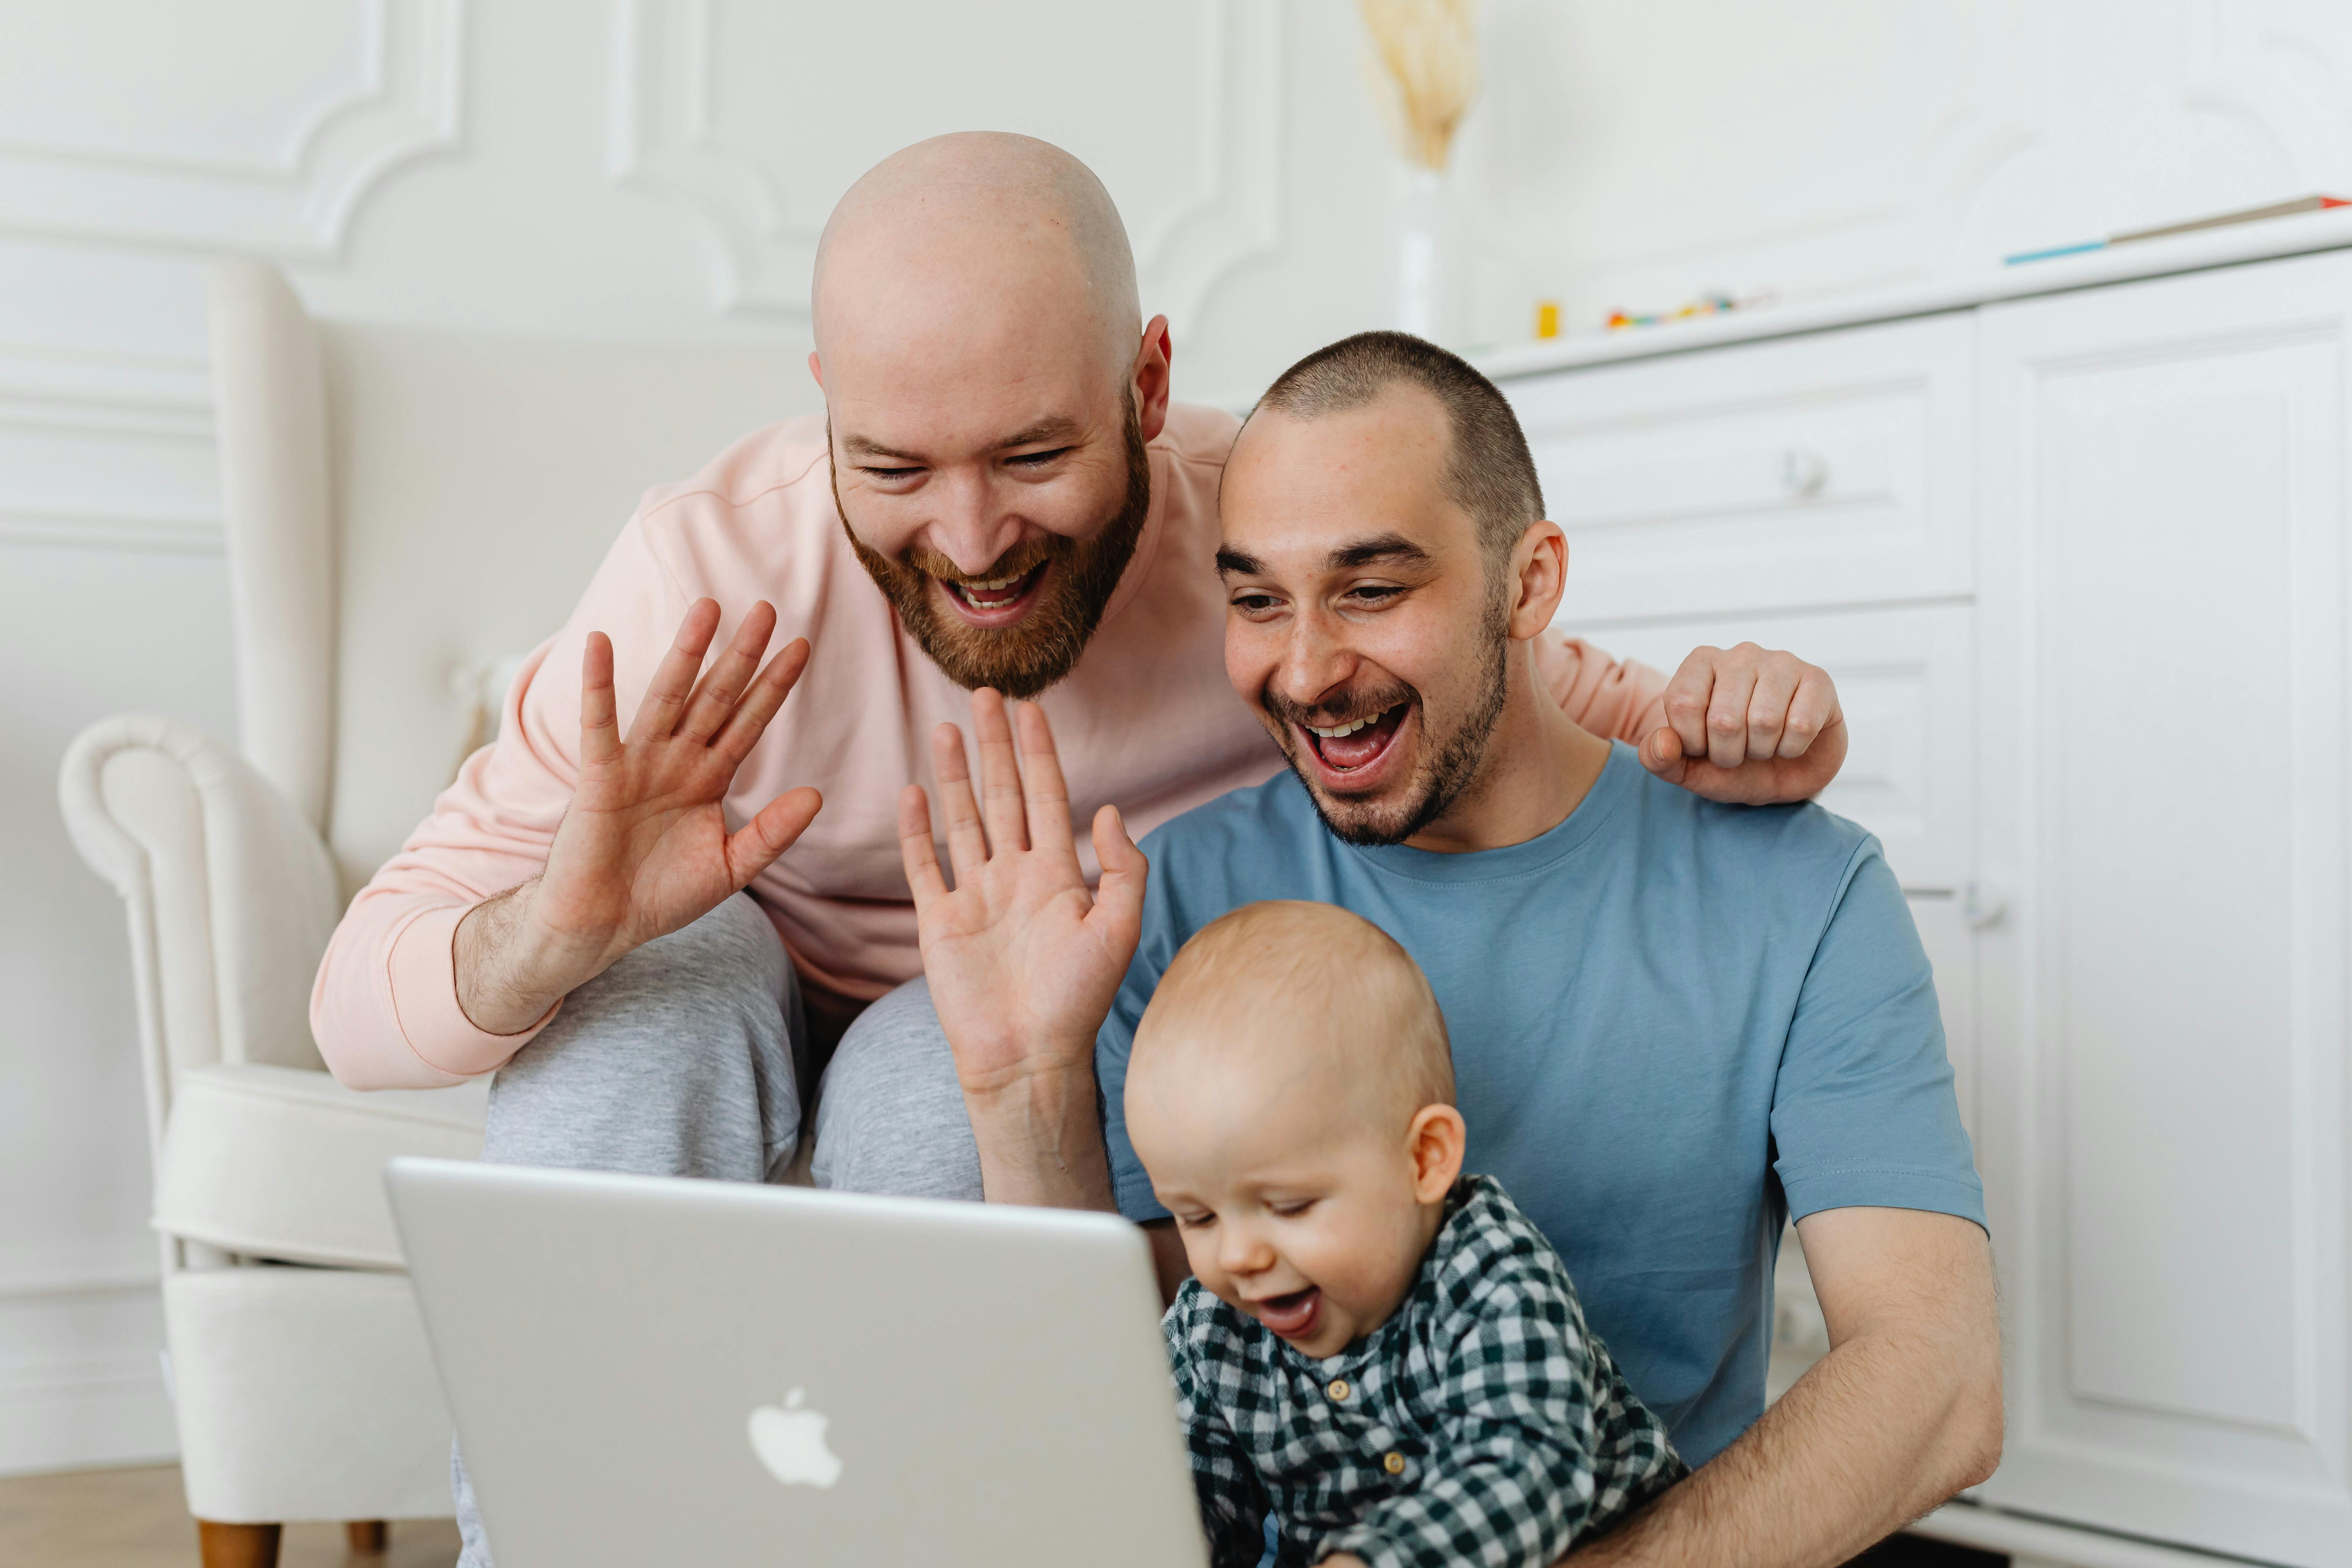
(1303, 995)
(975, 218)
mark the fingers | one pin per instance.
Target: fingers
(1726, 710)
(1811, 712)
(762, 702)
(1048, 794)
(716, 693)
(600, 728)
(1002, 807)
(1777, 676)
(915, 850)
(751, 848)
(665, 698)
(1118, 914)
(1662, 754)
(1687, 695)
(967, 844)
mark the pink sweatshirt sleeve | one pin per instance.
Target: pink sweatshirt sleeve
(385, 1008)
(1616, 701)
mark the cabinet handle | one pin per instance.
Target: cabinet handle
(1980, 909)
(1977, 907)
(1804, 473)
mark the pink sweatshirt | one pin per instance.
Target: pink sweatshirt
(1146, 720)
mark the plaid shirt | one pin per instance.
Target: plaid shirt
(1482, 1423)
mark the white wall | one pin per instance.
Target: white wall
(657, 169)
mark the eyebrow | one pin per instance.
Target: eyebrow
(865, 446)
(1394, 547)
(1055, 427)
(1379, 547)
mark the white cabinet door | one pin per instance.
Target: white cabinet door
(1825, 469)
(2162, 699)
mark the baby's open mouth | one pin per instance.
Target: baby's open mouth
(1293, 1316)
(1345, 748)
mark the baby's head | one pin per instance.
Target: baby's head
(1291, 1093)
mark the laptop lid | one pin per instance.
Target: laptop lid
(651, 1370)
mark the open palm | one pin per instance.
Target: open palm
(644, 849)
(1022, 959)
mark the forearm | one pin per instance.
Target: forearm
(502, 966)
(1040, 1140)
(1881, 1430)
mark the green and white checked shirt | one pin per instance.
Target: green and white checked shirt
(1482, 1423)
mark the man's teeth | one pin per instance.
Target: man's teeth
(1349, 729)
(993, 586)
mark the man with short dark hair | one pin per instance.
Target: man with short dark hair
(1674, 1023)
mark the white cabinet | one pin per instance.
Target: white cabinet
(2079, 566)
(2163, 1114)
(1816, 471)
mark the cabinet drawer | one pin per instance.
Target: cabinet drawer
(1817, 471)
(1904, 681)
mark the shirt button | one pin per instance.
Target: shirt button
(1339, 1389)
(1393, 1462)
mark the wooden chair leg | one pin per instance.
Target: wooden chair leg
(367, 1536)
(238, 1545)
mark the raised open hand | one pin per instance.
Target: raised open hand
(1022, 960)
(644, 848)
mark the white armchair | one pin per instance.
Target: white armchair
(407, 511)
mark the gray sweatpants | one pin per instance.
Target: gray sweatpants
(684, 1059)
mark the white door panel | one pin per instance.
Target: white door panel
(2163, 1111)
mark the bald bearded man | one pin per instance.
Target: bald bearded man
(1002, 460)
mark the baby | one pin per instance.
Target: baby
(1379, 1360)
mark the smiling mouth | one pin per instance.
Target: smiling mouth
(1293, 1316)
(1351, 747)
(996, 601)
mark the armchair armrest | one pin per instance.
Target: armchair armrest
(230, 893)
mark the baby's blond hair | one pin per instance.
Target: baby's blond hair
(1290, 960)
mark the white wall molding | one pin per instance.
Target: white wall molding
(115, 531)
(138, 426)
(297, 203)
(104, 1265)
(667, 140)
(81, 1379)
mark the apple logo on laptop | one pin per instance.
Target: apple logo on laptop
(791, 1442)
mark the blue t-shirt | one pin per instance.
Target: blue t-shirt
(1673, 1023)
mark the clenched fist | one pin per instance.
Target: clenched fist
(1748, 726)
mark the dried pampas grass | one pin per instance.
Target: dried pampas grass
(1429, 52)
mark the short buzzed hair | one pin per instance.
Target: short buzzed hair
(1289, 955)
(1489, 473)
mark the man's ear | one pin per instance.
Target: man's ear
(1538, 578)
(816, 370)
(1153, 356)
(1434, 1139)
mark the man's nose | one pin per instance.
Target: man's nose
(967, 525)
(1315, 661)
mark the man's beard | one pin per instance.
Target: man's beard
(1444, 774)
(1081, 574)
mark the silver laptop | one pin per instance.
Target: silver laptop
(654, 1371)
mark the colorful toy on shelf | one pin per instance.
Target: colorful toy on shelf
(1547, 317)
(1715, 304)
